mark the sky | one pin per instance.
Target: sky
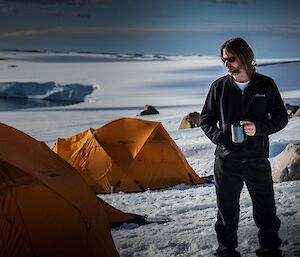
(175, 27)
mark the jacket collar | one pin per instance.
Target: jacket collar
(253, 80)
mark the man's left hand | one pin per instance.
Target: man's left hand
(249, 128)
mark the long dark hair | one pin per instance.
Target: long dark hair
(243, 51)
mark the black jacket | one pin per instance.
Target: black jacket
(226, 104)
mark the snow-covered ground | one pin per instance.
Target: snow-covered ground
(176, 85)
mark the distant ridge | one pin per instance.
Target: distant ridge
(274, 63)
(120, 56)
(27, 51)
(134, 56)
(89, 52)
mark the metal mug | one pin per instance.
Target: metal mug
(237, 133)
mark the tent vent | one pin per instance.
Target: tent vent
(126, 142)
(190, 177)
(50, 173)
(88, 227)
(9, 220)
(140, 186)
(118, 184)
(158, 138)
(114, 188)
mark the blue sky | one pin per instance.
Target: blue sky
(188, 27)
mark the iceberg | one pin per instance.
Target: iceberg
(50, 91)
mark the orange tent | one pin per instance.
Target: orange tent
(127, 155)
(46, 208)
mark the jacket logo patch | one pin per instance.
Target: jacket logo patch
(259, 95)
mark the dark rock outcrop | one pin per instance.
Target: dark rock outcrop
(192, 120)
(148, 109)
(292, 110)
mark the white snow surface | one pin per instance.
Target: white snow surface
(175, 85)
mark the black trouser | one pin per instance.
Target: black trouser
(230, 176)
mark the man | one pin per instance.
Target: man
(253, 100)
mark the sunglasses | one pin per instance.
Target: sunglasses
(230, 59)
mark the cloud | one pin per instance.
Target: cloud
(82, 30)
(83, 15)
(18, 34)
(91, 30)
(9, 9)
(297, 22)
(230, 1)
(217, 28)
(55, 30)
(69, 2)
